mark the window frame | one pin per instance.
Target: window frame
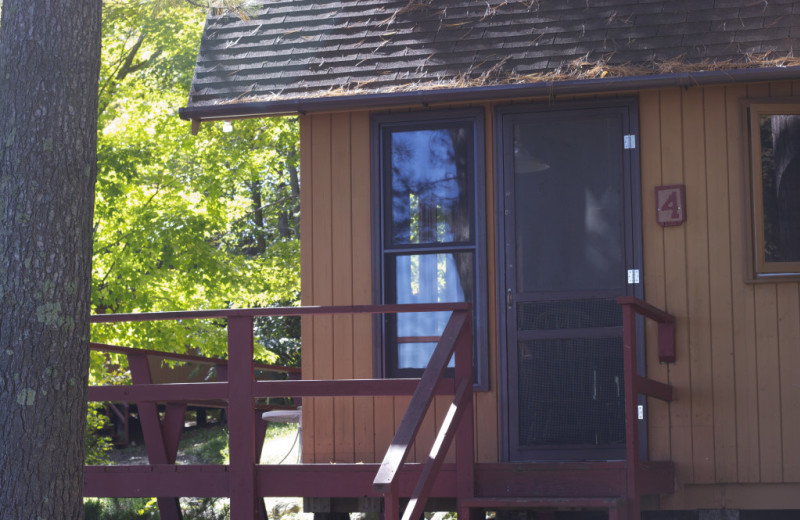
(759, 270)
(383, 252)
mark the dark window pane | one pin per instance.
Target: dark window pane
(428, 278)
(430, 180)
(780, 178)
(569, 209)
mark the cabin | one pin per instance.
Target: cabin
(631, 344)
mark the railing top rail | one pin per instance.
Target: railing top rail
(666, 325)
(278, 311)
(647, 310)
(100, 347)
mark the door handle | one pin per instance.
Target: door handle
(509, 298)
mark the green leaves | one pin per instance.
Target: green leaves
(184, 222)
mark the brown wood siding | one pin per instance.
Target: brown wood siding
(736, 412)
(336, 270)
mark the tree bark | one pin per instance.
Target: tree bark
(258, 217)
(49, 65)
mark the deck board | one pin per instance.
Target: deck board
(507, 481)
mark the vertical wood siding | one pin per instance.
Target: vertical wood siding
(336, 269)
(737, 396)
(736, 412)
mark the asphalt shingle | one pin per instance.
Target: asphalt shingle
(308, 48)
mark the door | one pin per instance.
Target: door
(568, 185)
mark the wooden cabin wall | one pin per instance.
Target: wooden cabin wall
(732, 428)
(336, 266)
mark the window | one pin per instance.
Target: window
(775, 147)
(430, 221)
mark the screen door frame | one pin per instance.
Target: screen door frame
(628, 108)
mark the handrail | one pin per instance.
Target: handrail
(260, 312)
(636, 384)
(455, 338)
(201, 360)
(461, 402)
(240, 390)
(415, 413)
(666, 325)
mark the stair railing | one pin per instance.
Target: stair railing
(636, 385)
(457, 424)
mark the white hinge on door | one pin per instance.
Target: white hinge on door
(633, 276)
(629, 141)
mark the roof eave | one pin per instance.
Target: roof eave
(483, 93)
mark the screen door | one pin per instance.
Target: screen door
(568, 247)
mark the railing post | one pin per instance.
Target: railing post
(159, 450)
(465, 435)
(241, 419)
(632, 505)
(391, 502)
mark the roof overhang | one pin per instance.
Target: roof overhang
(198, 114)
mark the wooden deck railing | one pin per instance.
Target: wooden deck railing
(139, 366)
(240, 479)
(636, 385)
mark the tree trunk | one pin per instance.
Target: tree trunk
(49, 64)
(294, 182)
(258, 217)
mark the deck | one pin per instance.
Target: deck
(615, 486)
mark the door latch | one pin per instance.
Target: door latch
(509, 298)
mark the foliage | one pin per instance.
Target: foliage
(117, 509)
(202, 446)
(279, 443)
(185, 222)
(206, 446)
(147, 509)
(97, 444)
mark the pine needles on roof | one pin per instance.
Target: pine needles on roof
(583, 68)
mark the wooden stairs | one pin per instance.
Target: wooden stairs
(613, 486)
(550, 487)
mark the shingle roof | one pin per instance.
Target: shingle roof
(312, 48)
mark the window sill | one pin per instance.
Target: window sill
(760, 278)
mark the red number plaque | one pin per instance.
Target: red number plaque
(670, 205)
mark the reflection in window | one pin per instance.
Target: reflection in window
(429, 244)
(567, 184)
(429, 186)
(780, 186)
